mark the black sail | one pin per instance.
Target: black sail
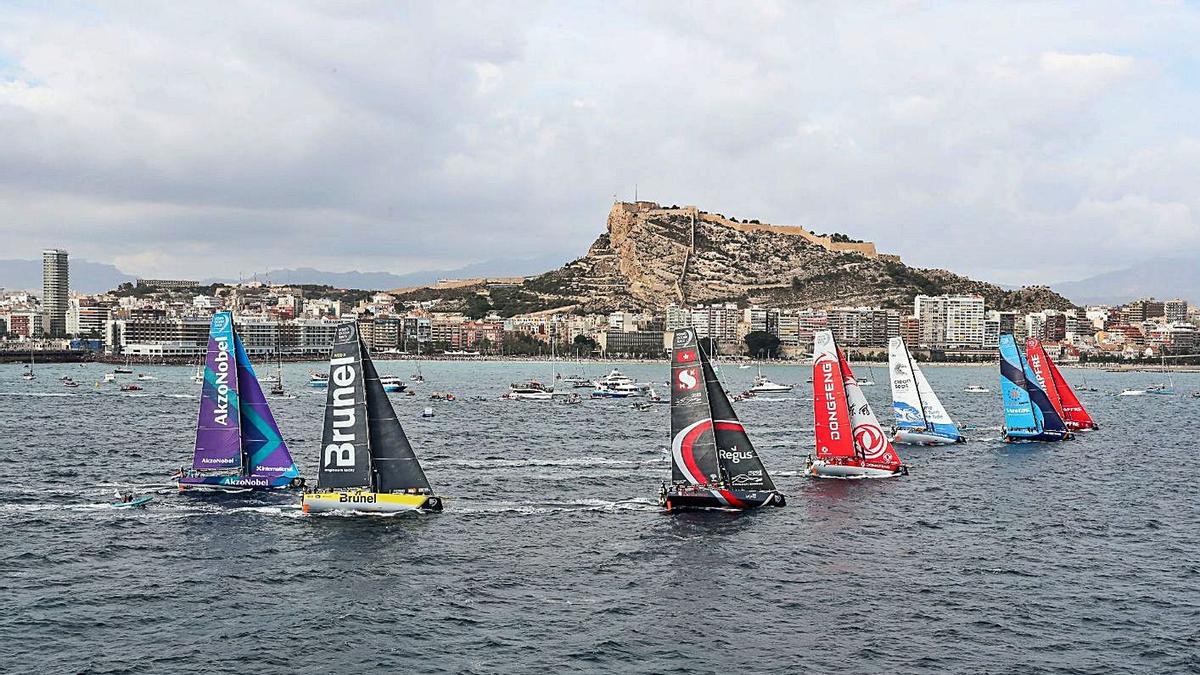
(693, 447)
(345, 458)
(740, 464)
(396, 466)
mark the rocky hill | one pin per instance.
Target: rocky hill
(651, 256)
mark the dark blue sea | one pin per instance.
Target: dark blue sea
(552, 556)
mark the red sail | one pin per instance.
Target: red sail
(1039, 363)
(1075, 416)
(832, 414)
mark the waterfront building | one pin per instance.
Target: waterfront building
(1176, 311)
(167, 284)
(632, 343)
(863, 326)
(719, 322)
(26, 324)
(677, 317)
(1143, 309)
(950, 321)
(55, 290)
(88, 316)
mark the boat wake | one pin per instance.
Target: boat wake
(38, 394)
(544, 507)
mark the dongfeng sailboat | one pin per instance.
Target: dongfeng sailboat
(850, 442)
(238, 444)
(1028, 413)
(713, 463)
(920, 417)
(1064, 400)
(366, 464)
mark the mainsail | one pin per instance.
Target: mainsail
(219, 429)
(263, 448)
(739, 462)
(345, 458)
(830, 410)
(915, 405)
(693, 442)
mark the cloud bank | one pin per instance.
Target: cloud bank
(1015, 142)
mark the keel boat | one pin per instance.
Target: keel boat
(238, 444)
(1028, 413)
(367, 464)
(920, 417)
(850, 442)
(713, 463)
(1064, 400)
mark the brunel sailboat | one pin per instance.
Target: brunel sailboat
(713, 463)
(850, 442)
(1064, 400)
(238, 445)
(1028, 413)
(920, 417)
(366, 462)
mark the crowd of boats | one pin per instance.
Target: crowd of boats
(366, 463)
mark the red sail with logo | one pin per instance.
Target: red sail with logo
(831, 413)
(1074, 414)
(1039, 363)
(871, 445)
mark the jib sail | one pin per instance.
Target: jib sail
(265, 452)
(392, 457)
(740, 465)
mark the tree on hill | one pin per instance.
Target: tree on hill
(762, 344)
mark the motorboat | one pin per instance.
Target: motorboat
(1132, 392)
(976, 389)
(762, 385)
(529, 391)
(319, 380)
(617, 381)
(392, 384)
(110, 377)
(130, 387)
(144, 376)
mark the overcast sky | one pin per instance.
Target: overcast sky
(1016, 142)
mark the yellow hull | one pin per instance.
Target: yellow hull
(367, 502)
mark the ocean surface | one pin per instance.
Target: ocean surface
(552, 556)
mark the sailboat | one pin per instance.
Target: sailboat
(1028, 413)
(1064, 400)
(238, 444)
(920, 417)
(366, 462)
(277, 389)
(850, 442)
(28, 374)
(1164, 388)
(713, 463)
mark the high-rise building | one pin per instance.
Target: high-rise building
(950, 321)
(55, 286)
(1175, 310)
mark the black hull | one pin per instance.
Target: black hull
(693, 500)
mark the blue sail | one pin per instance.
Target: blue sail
(1020, 419)
(264, 451)
(1028, 413)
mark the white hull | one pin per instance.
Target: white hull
(917, 438)
(540, 396)
(772, 389)
(820, 469)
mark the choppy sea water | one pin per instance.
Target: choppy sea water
(1078, 557)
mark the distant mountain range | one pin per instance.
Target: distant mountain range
(92, 277)
(86, 276)
(1162, 278)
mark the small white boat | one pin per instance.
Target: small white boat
(762, 385)
(864, 382)
(976, 389)
(428, 412)
(529, 391)
(1133, 392)
(110, 377)
(744, 366)
(319, 380)
(144, 376)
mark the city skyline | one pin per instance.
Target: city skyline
(427, 137)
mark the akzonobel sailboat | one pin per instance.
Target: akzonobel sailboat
(366, 462)
(1029, 414)
(850, 442)
(713, 463)
(920, 417)
(1061, 396)
(238, 444)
